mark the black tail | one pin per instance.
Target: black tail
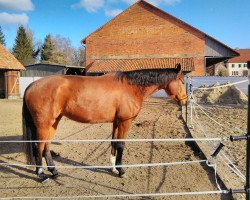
(29, 133)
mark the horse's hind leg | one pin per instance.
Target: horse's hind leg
(42, 150)
(49, 161)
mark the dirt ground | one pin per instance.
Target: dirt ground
(220, 110)
(222, 122)
(159, 118)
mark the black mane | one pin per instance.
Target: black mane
(148, 77)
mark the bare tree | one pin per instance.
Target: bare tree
(79, 56)
(62, 52)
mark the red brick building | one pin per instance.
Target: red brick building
(143, 36)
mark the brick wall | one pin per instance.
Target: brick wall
(143, 31)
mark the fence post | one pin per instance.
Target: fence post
(248, 140)
(187, 80)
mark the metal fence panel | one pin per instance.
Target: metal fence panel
(24, 83)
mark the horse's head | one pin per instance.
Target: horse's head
(175, 88)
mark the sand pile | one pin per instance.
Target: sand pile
(221, 95)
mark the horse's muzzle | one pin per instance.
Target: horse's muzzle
(183, 100)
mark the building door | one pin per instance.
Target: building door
(2, 84)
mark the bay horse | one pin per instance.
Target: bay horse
(115, 97)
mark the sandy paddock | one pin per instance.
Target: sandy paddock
(159, 118)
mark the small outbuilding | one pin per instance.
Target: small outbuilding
(47, 69)
(10, 69)
(39, 70)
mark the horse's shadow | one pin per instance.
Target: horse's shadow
(7, 149)
(70, 162)
(14, 170)
(10, 148)
(13, 148)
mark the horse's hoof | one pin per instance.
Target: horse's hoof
(53, 171)
(45, 180)
(115, 171)
(122, 175)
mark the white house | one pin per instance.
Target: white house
(238, 66)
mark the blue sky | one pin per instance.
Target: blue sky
(226, 20)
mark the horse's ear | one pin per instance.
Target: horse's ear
(178, 67)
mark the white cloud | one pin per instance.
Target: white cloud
(13, 19)
(89, 5)
(22, 5)
(129, 1)
(112, 12)
(171, 2)
(95, 5)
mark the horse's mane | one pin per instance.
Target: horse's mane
(147, 77)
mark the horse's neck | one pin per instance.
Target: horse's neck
(148, 91)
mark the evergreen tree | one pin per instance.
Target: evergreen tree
(2, 38)
(23, 47)
(47, 49)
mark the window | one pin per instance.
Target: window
(232, 65)
(245, 65)
(239, 65)
(235, 73)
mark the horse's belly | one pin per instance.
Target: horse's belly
(90, 115)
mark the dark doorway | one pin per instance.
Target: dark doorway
(74, 71)
(2, 84)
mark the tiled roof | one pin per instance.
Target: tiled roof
(111, 65)
(244, 56)
(8, 61)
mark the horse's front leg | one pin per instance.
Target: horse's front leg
(120, 148)
(113, 148)
(122, 134)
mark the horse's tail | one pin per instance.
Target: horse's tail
(29, 133)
